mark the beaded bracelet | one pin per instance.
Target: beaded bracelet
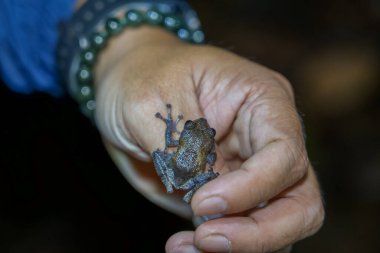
(81, 82)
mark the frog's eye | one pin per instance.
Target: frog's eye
(211, 132)
(189, 125)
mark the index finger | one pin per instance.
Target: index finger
(296, 214)
(268, 134)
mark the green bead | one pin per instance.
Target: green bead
(88, 57)
(153, 17)
(90, 105)
(198, 37)
(88, 108)
(85, 93)
(172, 22)
(113, 26)
(133, 18)
(183, 34)
(99, 40)
(84, 75)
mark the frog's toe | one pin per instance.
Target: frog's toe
(188, 196)
(169, 108)
(158, 115)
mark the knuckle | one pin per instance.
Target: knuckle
(299, 161)
(313, 217)
(319, 217)
(284, 83)
(302, 163)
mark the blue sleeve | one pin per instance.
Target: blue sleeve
(28, 37)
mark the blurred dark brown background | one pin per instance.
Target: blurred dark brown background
(59, 191)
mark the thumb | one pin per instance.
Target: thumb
(181, 242)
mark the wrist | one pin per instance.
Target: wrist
(97, 23)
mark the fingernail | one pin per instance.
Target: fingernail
(211, 205)
(187, 249)
(215, 243)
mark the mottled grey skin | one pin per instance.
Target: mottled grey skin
(184, 169)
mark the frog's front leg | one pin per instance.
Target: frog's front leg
(195, 183)
(171, 127)
(161, 164)
(211, 158)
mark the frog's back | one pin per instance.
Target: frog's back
(191, 155)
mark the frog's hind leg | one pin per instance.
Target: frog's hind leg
(171, 127)
(195, 183)
(160, 164)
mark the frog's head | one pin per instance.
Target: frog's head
(201, 125)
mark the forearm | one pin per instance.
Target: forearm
(28, 39)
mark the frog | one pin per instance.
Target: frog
(189, 166)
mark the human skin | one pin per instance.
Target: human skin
(260, 141)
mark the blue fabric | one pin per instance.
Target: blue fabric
(28, 38)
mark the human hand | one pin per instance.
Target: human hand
(260, 144)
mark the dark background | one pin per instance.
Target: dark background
(59, 191)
